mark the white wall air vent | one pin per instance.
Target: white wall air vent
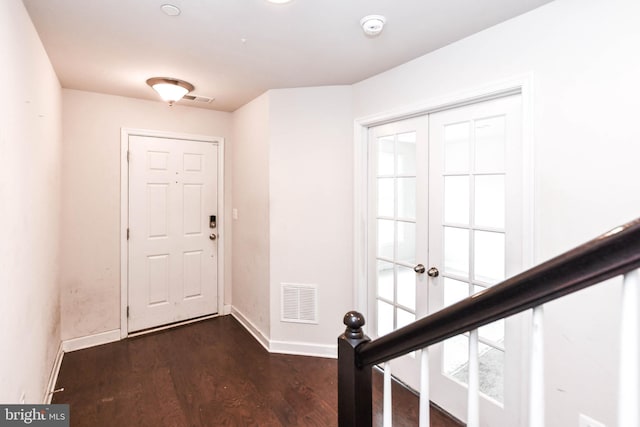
(299, 303)
(198, 98)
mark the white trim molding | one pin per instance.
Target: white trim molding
(304, 349)
(125, 133)
(90, 341)
(285, 347)
(226, 310)
(53, 376)
(251, 328)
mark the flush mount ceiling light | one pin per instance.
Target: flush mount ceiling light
(372, 24)
(171, 90)
(279, 1)
(170, 10)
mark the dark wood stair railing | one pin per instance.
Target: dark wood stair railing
(609, 255)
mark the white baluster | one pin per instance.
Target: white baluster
(424, 388)
(536, 381)
(629, 388)
(473, 403)
(386, 396)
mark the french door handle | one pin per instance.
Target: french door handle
(419, 269)
(433, 272)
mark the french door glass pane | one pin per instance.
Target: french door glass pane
(490, 365)
(456, 147)
(456, 251)
(456, 199)
(385, 238)
(491, 371)
(407, 198)
(385, 280)
(386, 156)
(385, 318)
(456, 357)
(454, 291)
(406, 163)
(489, 201)
(407, 287)
(493, 332)
(406, 242)
(489, 256)
(385, 197)
(490, 144)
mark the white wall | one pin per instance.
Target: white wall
(251, 199)
(311, 214)
(583, 56)
(90, 269)
(293, 189)
(30, 146)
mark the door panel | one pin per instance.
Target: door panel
(172, 260)
(399, 239)
(475, 162)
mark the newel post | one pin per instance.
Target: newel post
(354, 382)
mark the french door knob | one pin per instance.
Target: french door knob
(419, 269)
(212, 236)
(433, 272)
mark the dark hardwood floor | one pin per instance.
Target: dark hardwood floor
(210, 373)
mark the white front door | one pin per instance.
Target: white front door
(172, 252)
(449, 198)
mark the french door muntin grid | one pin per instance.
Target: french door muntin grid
(396, 224)
(471, 272)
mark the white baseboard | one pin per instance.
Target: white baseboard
(304, 349)
(250, 327)
(226, 310)
(53, 377)
(90, 341)
(285, 347)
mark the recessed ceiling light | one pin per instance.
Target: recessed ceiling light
(279, 1)
(170, 9)
(372, 24)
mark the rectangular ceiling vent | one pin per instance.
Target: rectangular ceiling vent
(299, 303)
(198, 98)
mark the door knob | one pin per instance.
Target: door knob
(433, 272)
(212, 236)
(419, 269)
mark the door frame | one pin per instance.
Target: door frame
(521, 84)
(125, 133)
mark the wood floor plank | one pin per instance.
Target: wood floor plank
(210, 373)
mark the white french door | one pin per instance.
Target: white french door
(398, 231)
(465, 229)
(475, 242)
(173, 250)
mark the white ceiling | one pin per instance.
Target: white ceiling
(234, 50)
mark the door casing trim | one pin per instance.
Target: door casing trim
(125, 133)
(520, 84)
